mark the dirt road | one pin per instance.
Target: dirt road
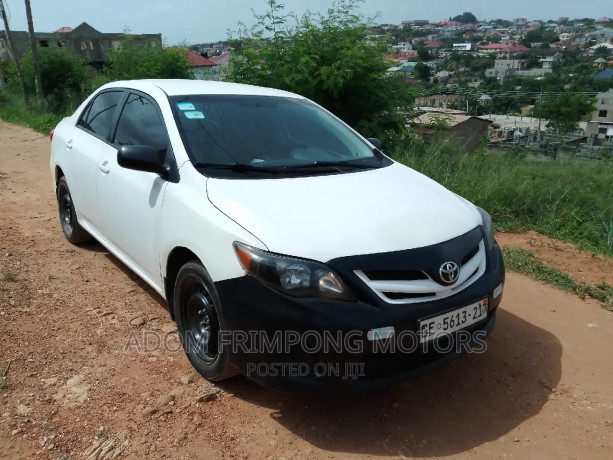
(79, 386)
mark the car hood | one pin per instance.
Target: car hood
(364, 212)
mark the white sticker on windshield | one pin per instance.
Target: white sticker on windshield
(194, 115)
(185, 106)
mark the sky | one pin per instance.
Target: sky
(200, 21)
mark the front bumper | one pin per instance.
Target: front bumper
(261, 323)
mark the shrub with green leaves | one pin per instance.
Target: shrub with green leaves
(66, 78)
(330, 59)
(565, 111)
(130, 62)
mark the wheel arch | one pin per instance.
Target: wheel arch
(58, 174)
(178, 257)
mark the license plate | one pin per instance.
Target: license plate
(452, 321)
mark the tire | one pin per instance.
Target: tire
(68, 216)
(199, 319)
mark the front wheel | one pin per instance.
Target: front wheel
(68, 216)
(199, 319)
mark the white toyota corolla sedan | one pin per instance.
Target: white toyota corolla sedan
(288, 247)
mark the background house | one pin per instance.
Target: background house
(221, 65)
(202, 68)
(601, 124)
(467, 129)
(462, 46)
(604, 75)
(83, 41)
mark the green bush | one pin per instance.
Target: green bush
(130, 62)
(66, 78)
(330, 59)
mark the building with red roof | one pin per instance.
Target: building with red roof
(201, 66)
(434, 45)
(517, 48)
(494, 48)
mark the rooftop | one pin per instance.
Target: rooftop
(451, 119)
(604, 75)
(434, 45)
(199, 61)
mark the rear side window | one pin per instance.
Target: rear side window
(141, 124)
(98, 117)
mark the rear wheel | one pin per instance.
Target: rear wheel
(199, 320)
(68, 216)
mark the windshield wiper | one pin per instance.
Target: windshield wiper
(241, 167)
(329, 164)
(287, 169)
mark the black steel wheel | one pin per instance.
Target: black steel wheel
(199, 320)
(68, 217)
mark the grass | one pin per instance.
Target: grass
(568, 201)
(522, 261)
(13, 109)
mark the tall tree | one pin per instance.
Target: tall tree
(37, 78)
(422, 71)
(11, 48)
(465, 18)
(422, 53)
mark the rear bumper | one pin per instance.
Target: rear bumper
(287, 343)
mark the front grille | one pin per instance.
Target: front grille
(405, 295)
(379, 275)
(413, 286)
(469, 256)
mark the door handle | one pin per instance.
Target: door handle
(69, 144)
(104, 167)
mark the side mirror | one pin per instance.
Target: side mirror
(374, 141)
(142, 158)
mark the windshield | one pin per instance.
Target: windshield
(244, 133)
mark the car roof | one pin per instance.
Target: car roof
(193, 87)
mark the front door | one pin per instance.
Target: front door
(130, 201)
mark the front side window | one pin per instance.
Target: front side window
(98, 117)
(141, 124)
(267, 132)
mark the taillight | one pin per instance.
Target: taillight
(51, 135)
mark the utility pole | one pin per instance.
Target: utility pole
(34, 46)
(11, 48)
(540, 102)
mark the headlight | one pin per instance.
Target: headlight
(487, 227)
(295, 277)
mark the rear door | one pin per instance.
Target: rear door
(85, 145)
(130, 201)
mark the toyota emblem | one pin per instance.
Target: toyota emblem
(449, 272)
